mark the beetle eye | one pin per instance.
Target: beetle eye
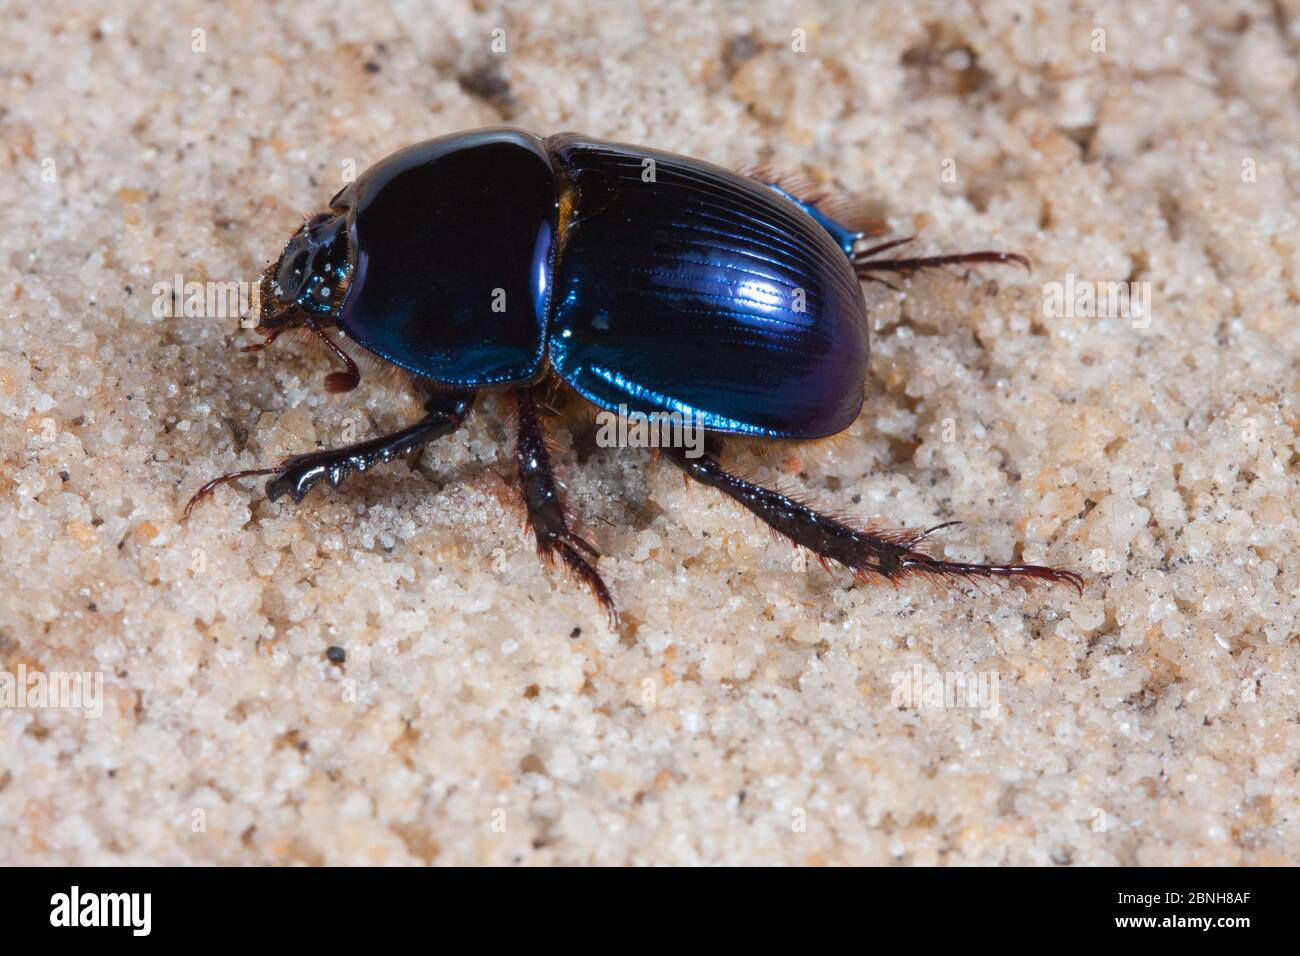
(293, 270)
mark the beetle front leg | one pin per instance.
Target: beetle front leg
(868, 552)
(547, 515)
(299, 474)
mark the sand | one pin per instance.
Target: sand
(752, 708)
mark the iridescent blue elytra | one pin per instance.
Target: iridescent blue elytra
(644, 279)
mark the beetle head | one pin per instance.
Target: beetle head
(307, 282)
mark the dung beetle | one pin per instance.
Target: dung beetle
(623, 278)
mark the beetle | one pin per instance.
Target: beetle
(627, 278)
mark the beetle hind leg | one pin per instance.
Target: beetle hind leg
(868, 265)
(543, 499)
(869, 552)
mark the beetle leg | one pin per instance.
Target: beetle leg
(298, 475)
(344, 381)
(868, 552)
(866, 266)
(544, 501)
(301, 473)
